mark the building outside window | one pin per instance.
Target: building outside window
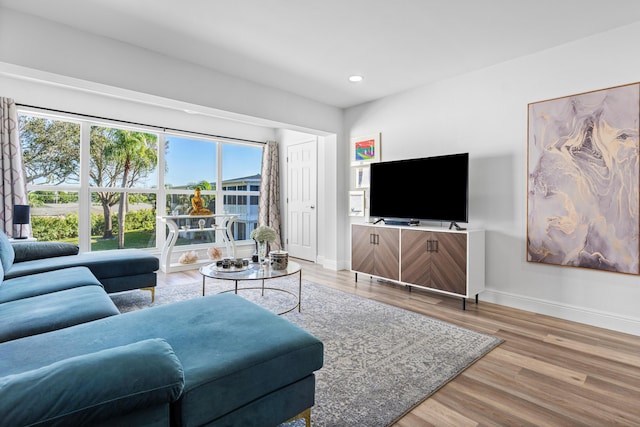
(81, 204)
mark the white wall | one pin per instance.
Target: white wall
(43, 45)
(485, 113)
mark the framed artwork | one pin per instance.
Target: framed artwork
(356, 203)
(365, 149)
(583, 185)
(361, 177)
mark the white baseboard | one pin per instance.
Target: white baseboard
(601, 319)
(329, 264)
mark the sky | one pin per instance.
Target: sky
(192, 161)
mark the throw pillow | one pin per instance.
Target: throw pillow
(7, 255)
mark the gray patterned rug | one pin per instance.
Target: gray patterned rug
(380, 361)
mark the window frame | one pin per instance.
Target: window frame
(84, 190)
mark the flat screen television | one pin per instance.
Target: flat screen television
(430, 188)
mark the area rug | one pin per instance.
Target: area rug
(380, 361)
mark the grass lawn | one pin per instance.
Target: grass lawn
(132, 239)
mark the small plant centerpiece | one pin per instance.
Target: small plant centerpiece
(263, 235)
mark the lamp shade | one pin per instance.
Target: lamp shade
(21, 214)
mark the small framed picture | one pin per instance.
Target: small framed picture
(362, 177)
(365, 149)
(356, 203)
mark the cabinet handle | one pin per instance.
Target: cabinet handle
(374, 239)
(432, 246)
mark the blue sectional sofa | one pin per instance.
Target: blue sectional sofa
(117, 271)
(68, 357)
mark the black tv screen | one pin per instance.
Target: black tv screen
(430, 188)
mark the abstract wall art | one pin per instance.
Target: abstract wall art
(365, 149)
(583, 188)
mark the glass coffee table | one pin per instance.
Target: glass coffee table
(254, 272)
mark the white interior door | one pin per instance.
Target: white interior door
(301, 200)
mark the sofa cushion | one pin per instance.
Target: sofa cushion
(103, 264)
(56, 310)
(93, 387)
(45, 283)
(28, 251)
(233, 352)
(7, 254)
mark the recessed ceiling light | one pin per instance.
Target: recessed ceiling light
(355, 79)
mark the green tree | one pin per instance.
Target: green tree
(50, 149)
(119, 158)
(203, 185)
(136, 153)
(103, 173)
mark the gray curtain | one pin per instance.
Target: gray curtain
(14, 183)
(269, 209)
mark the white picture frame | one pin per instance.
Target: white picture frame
(356, 203)
(361, 176)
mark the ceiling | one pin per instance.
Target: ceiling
(311, 47)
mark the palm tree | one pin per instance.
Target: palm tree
(136, 154)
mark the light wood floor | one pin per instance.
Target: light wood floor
(548, 372)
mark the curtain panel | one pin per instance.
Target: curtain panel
(14, 183)
(269, 208)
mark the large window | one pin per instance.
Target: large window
(241, 171)
(128, 171)
(51, 150)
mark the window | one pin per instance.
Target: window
(50, 150)
(121, 160)
(51, 154)
(190, 163)
(241, 165)
(137, 167)
(54, 215)
(139, 226)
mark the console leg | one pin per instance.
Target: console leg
(464, 303)
(476, 299)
